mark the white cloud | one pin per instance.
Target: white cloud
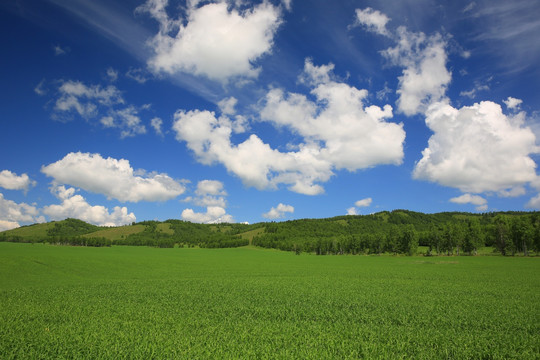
(472, 93)
(278, 212)
(213, 215)
(469, 199)
(139, 75)
(156, 123)
(8, 225)
(363, 203)
(477, 148)
(287, 4)
(382, 95)
(112, 74)
(209, 193)
(512, 103)
(513, 192)
(75, 206)
(12, 181)
(360, 203)
(126, 119)
(481, 207)
(95, 101)
(253, 161)
(210, 187)
(348, 134)
(373, 20)
(227, 105)
(534, 203)
(339, 133)
(216, 41)
(425, 77)
(112, 178)
(12, 213)
(84, 100)
(40, 88)
(480, 202)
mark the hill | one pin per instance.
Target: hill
(398, 231)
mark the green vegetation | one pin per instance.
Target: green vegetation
(402, 232)
(142, 303)
(117, 233)
(396, 232)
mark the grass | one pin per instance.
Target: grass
(116, 233)
(35, 231)
(165, 228)
(140, 303)
(251, 234)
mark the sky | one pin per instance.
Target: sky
(115, 112)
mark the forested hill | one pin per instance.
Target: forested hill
(398, 231)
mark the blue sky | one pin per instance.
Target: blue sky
(209, 111)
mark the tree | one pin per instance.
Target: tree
(473, 237)
(409, 241)
(521, 234)
(501, 233)
(448, 239)
(392, 238)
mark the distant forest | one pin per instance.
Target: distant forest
(402, 232)
(395, 232)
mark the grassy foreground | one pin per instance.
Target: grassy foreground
(142, 303)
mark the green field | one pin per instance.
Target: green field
(59, 302)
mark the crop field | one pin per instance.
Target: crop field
(247, 303)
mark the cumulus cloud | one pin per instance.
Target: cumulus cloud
(425, 77)
(358, 204)
(363, 203)
(513, 103)
(12, 213)
(227, 105)
(210, 194)
(373, 20)
(339, 131)
(76, 206)
(348, 134)
(126, 119)
(255, 162)
(477, 149)
(213, 215)
(12, 181)
(112, 178)
(278, 212)
(534, 203)
(215, 39)
(8, 225)
(105, 104)
(210, 187)
(480, 202)
(84, 100)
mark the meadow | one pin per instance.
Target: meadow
(249, 303)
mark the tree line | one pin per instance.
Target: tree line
(402, 232)
(395, 232)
